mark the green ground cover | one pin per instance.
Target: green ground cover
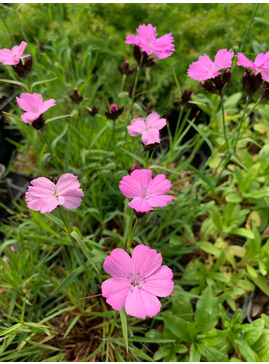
(213, 235)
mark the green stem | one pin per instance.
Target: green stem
(130, 232)
(48, 144)
(223, 120)
(122, 82)
(134, 90)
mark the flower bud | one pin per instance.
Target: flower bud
(125, 69)
(115, 112)
(39, 123)
(75, 97)
(251, 82)
(93, 111)
(23, 69)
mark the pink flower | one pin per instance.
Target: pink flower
(204, 68)
(146, 39)
(145, 191)
(149, 129)
(260, 65)
(34, 106)
(13, 56)
(45, 196)
(137, 281)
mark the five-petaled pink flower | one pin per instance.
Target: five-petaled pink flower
(146, 39)
(145, 191)
(45, 196)
(137, 281)
(205, 69)
(149, 129)
(34, 106)
(260, 65)
(13, 56)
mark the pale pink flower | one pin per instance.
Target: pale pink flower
(13, 56)
(145, 191)
(45, 196)
(205, 68)
(33, 105)
(137, 281)
(146, 39)
(149, 129)
(260, 65)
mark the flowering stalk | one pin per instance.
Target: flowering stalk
(223, 120)
(134, 89)
(48, 144)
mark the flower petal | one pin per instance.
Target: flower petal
(223, 59)
(46, 105)
(245, 62)
(71, 202)
(160, 185)
(29, 117)
(163, 47)
(137, 127)
(265, 74)
(159, 200)
(132, 39)
(151, 136)
(155, 122)
(26, 101)
(160, 282)
(129, 187)
(140, 304)
(145, 260)
(119, 264)
(68, 185)
(115, 290)
(140, 205)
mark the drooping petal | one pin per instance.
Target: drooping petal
(160, 185)
(155, 122)
(129, 187)
(137, 127)
(46, 105)
(119, 264)
(160, 282)
(146, 261)
(151, 136)
(115, 290)
(140, 304)
(223, 59)
(140, 204)
(159, 200)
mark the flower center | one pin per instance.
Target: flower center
(136, 281)
(35, 109)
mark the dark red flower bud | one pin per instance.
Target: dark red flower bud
(217, 84)
(23, 69)
(93, 111)
(39, 123)
(143, 59)
(130, 92)
(265, 91)
(114, 113)
(75, 97)
(125, 69)
(251, 82)
(186, 97)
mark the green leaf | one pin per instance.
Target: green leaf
(195, 354)
(184, 330)
(232, 197)
(210, 248)
(124, 328)
(214, 355)
(206, 312)
(251, 271)
(243, 232)
(255, 331)
(245, 350)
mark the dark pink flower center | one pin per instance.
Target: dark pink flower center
(35, 109)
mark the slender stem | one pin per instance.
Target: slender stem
(48, 144)
(134, 89)
(223, 120)
(129, 236)
(122, 82)
(179, 126)
(240, 124)
(249, 27)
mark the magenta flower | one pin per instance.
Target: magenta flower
(34, 106)
(137, 281)
(145, 191)
(45, 196)
(13, 56)
(146, 39)
(205, 69)
(149, 129)
(260, 65)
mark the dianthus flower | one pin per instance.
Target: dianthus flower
(13, 56)
(34, 106)
(260, 65)
(205, 69)
(45, 196)
(145, 191)
(137, 281)
(146, 39)
(150, 129)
